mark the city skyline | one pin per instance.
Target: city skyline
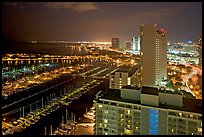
(98, 21)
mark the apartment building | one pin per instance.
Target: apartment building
(125, 75)
(146, 111)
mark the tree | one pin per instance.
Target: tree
(178, 85)
(170, 84)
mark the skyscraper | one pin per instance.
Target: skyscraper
(199, 45)
(128, 45)
(153, 55)
(116, 43)
(136, 43)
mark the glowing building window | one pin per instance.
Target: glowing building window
(100, 125)
(127, 131)
(153, 122)
(100, 106)
(129, 81)
(105, 120)
(128, 111)
(199, 129)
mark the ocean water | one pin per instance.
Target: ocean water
(44, 48)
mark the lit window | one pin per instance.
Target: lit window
(128, 132)
(100, 125)
(105, 125)
(129, 81)
(128, 126)
(137, 128)
(172, 130)
(128, 111)
(105, 120)
(180, 114)
(106, 133)
(121, 115)
(199, 129)
(100, 106)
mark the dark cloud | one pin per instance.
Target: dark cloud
(99, 21)
(75, 6)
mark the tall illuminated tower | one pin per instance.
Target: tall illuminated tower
(200, 50)
(153, 55)
(136, 43)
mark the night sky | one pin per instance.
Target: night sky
(98, 21)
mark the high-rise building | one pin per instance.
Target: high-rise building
(124, 76)
(136, 43)
(199, 47)
(128, 45)
(146, 111)
(153, 54)
(116, 43)
(122, 45)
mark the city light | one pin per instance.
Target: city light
(87, 68)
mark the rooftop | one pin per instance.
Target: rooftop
(156, 91)
(127, 69)
(130, 87)
(124, 68)
(189, 104)
(150, 90)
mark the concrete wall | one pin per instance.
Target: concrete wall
(144, 121)
(162, 122)
(132, 94)
(171, 99)
(150, 100)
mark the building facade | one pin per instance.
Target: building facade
(200, 50)
(136, 43)
(128, 45)
(153, 55)
(116, 43)
(117, 113)
(124, 76)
